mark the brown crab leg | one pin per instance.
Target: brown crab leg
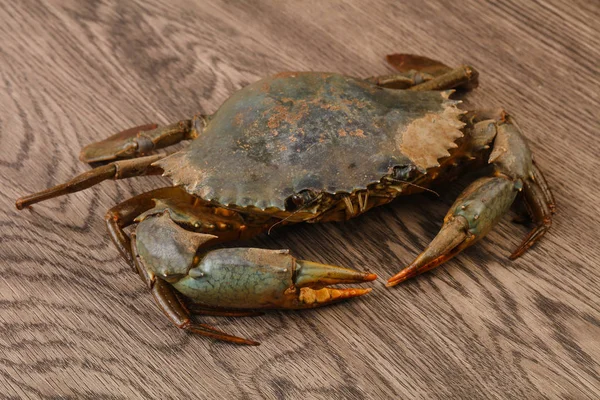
(541, 181)
(141, 140)
(412, 62)
(398, 81)
(465, 76)
(115, 170)
(199, 310)
(540, 205)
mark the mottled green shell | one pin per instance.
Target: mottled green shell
(306, 130)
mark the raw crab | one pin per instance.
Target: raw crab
(305, 147)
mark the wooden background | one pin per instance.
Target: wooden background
(76, 323)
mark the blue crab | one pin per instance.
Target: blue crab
(305, 147)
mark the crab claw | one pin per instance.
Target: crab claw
(311, 278)
(470, 218)
(231, 281)
(249, 278)
(452, 238)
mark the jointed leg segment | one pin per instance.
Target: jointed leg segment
(139, 141)
(540, 204)
(116, 170)
(422, 74)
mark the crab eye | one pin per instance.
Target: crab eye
(294, 202)
(299, 200)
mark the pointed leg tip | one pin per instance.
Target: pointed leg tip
(518, 253)
(400, 277)
(240, 341)
(391, 283)
(24, 202)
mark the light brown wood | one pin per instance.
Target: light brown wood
(76, 323)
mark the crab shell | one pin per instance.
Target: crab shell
(323, 132)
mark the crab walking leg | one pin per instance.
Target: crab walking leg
(115, 170)
(417, 70)
(399, 81)
(413, 62)
(197, 309)
(413, 70)
(141, 140)
(543, 185)
(484, 202)
(465, 76)
(541, 207)
(172, 258)
(119, 145)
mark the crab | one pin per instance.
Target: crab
(305, 147)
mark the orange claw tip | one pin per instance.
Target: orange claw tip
(401, 276)
(370, 277)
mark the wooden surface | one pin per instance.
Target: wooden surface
(76, 323)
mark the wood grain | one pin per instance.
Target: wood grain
(76, 323)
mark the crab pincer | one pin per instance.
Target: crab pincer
(483, 203)
(470, 218)
(231, 281)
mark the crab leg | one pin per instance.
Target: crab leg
(141, 140)
(484, 202)
(462, 76)
(540, 205)
(197, 309)
(422, 73)
(412, 62)
(115, 170)
(543, 185)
